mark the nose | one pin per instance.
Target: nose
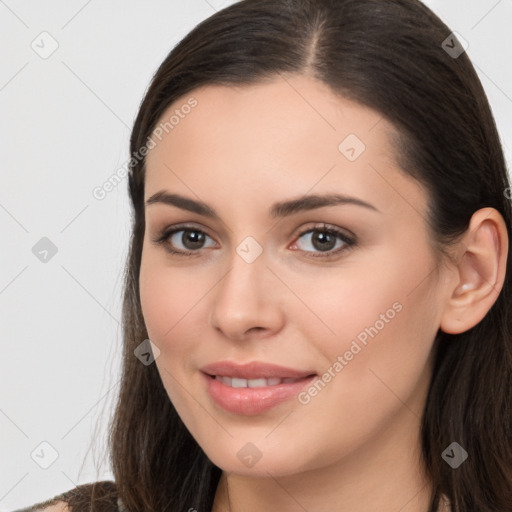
(247, 300)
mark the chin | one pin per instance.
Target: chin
(249, 460)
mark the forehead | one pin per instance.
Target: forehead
(291, 131)
(274, 113)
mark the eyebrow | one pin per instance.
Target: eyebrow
(279, 209)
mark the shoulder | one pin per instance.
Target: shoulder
(96, 496)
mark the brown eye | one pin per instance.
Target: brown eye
(191, 240)
(325, 239)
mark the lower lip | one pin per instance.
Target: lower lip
(253, 401)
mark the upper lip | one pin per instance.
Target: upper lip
(253, 370)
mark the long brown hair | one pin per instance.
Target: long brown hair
(387, 55)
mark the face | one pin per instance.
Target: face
(343, 296)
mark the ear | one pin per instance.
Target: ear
(480, 272)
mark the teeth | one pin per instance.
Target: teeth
(258, 383)
(238, 383)
(235, 382)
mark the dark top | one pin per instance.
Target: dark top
(102, 494)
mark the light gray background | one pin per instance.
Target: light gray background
(66, 124)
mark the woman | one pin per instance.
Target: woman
(319, 257)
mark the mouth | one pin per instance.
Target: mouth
(253, 388)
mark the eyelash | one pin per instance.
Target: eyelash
(349, 242)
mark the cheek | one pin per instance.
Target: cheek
(376, 296)
(167, 298)
(173, 301)
(385, 320)
(160, 302)
(166, 293)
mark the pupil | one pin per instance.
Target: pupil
(321, 237)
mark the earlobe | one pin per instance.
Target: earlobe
(480, 272)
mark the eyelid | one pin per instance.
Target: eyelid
(325, 226)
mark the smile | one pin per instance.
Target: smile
(250, 397)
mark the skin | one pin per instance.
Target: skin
(357, 441)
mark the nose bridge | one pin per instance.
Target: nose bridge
(244, 295)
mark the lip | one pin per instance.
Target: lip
(254, 370)
(253, 401)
